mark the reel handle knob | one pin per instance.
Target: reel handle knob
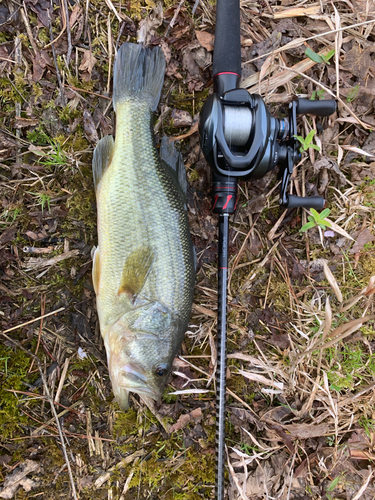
(318, 108)
(316, 202)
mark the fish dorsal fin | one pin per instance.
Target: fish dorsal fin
(95, 268)
(103, 154)
(136, 269)
(173, 159)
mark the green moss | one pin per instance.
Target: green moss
(14, 366)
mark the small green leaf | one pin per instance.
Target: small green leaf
(328, 224)
(310, 136)
(334, 483)
(310, 218)
(325, 213)
(329, 55)
(307, 226)
(315, 214)
(314, 146)
(313, 55)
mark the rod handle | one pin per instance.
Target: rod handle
(227, 49)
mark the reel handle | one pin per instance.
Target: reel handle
(318, 108)
(316, 202)
(227, 50)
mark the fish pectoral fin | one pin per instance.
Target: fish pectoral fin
(95, 268)
(103, 154)
(136, 269)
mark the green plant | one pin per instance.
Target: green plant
(317, 220)
(352, 94)
(306, 142)
(317, 94)
(319, 58)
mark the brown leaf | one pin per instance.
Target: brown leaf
(358, 61)
(181, 118)
(205, 39)
(8, 235)
(42, 9)
(20, 122)
(362, 239)
(184, 420)
(77, 12)
(37, 236)
(89, 126)
(149, 25)
(87, 64)
(18, 478)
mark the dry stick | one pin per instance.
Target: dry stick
(54, 57)
(33, 320)
(65, 453)
(110, 51)
(68, 32)
(42, 309)
(302, 40)
(171, 24)
(364, 125)
(63, 28)
(28, 28)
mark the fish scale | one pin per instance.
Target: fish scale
(144, 269)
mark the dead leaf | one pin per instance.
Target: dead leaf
(89, 126)
(87, 64)
(358, 61)
(18, 478)
(365, 236)
(20, 122)
(261, 480)
(333, 168)
(77, 12)
(184, 420)
(205, 39)
(181, 118)
(332, 281)
(42, 9)
(8, 235)
(149, 25)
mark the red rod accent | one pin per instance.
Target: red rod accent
(229, 197)
(227, 73)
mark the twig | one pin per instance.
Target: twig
(33, 320)
(54, 57)
(63, 28)
(28, 28)
(50, 400)
(171, 24)
(68, 32)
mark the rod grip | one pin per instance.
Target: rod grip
(227, 50)
(318, 108)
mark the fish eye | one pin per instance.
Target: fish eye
(161, 370)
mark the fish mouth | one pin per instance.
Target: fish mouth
(134, 379)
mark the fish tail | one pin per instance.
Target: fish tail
(138, 75)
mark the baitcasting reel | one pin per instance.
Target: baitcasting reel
(240, 138)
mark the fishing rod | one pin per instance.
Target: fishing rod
(240, 139)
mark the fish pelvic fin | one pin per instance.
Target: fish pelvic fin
(95, 268)
(138, 75)
(136, 269)
(102, 158)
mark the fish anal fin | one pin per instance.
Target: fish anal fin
(95, 268)
(136, 269)
(102, 158)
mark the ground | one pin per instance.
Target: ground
(301, 366)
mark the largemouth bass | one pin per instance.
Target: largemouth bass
(143, 267)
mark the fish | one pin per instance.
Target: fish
(144, 265)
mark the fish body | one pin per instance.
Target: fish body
(143, 267)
